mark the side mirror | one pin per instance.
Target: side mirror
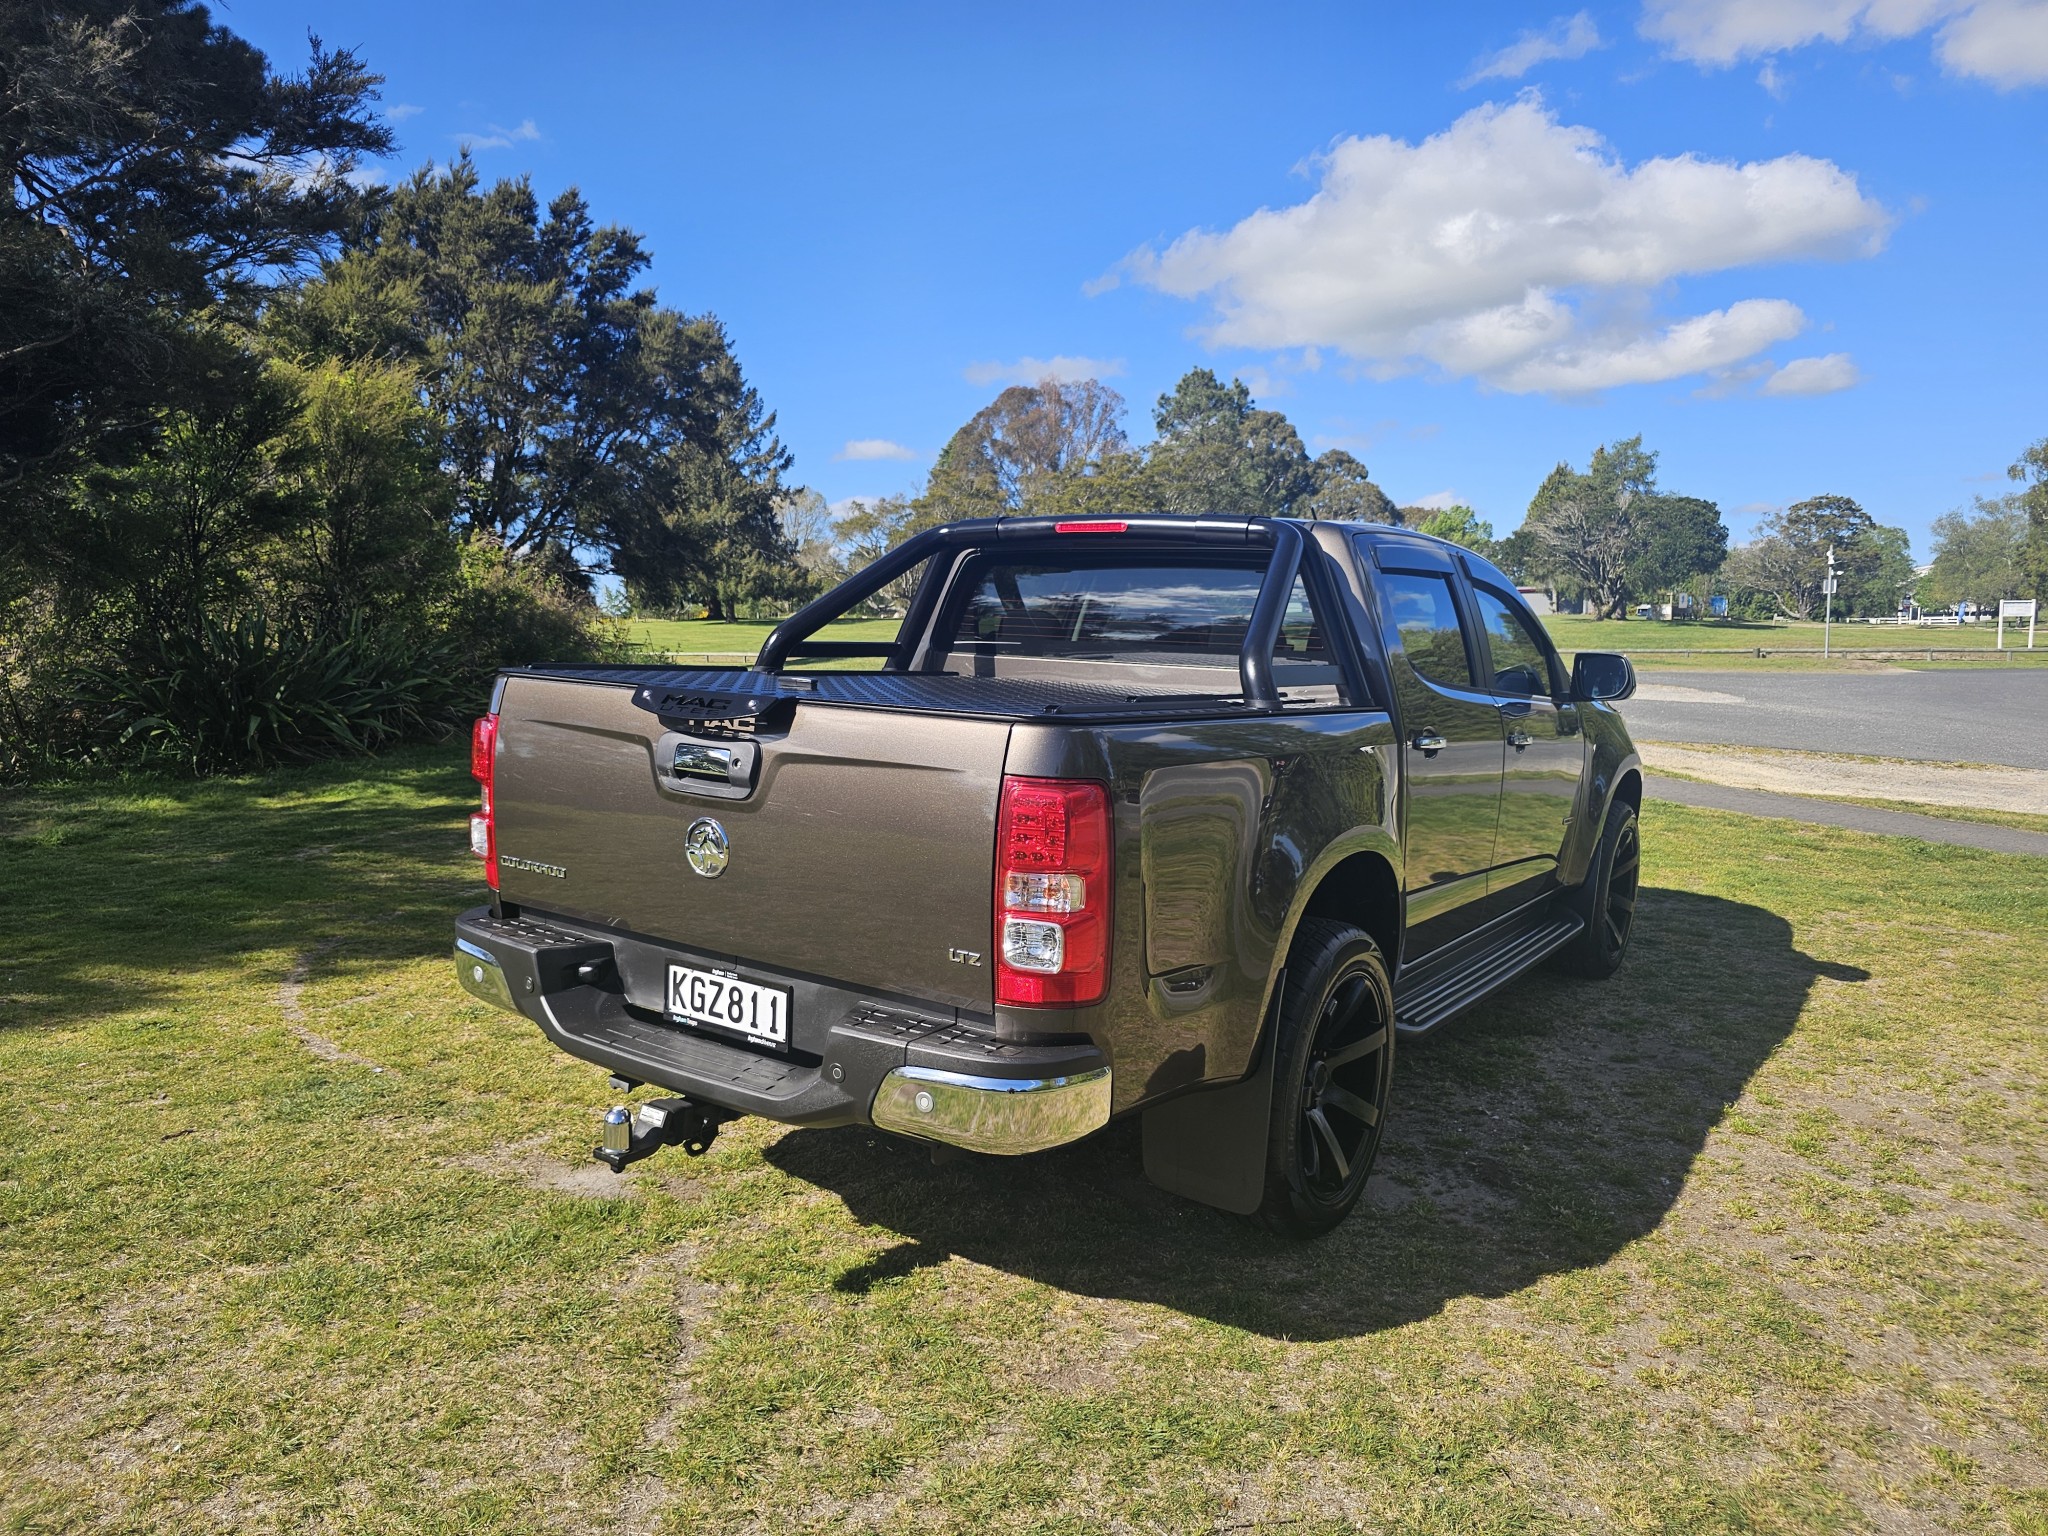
(1602, 675)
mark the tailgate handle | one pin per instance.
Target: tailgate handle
(689, 765)
(694, 760)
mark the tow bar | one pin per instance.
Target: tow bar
(630, 1136)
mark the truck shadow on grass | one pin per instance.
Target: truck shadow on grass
(1542, 1132)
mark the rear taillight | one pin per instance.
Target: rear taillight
(483, 825)
(1052, 892)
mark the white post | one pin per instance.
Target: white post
(2018, 607)
(1827, 628)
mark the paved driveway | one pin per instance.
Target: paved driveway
(1973, 716)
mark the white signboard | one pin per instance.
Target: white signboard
(2016, 608)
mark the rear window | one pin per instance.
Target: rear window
(1092, 608)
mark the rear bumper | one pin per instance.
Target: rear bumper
(993, 1114)
(854, 1059)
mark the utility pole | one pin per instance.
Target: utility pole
(1827, 628)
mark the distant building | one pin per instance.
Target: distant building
(1538, 599)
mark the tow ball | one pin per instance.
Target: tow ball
(630, 1136)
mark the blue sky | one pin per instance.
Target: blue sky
(1797, 245)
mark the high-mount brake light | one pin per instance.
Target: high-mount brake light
(1093, 525)
(483, 767)
(1052, 892)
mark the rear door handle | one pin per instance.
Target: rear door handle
(1520, 739)
(1428, 743)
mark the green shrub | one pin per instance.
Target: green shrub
(248, 694)
(506, 612)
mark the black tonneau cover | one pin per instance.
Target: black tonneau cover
(737, 693)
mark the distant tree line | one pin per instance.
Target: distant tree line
(1606, 537)
(290, 461)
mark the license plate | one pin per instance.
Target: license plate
(725, 1002)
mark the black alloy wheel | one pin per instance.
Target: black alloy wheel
(1607, 900)
(1334, 1070)
(1624, 875)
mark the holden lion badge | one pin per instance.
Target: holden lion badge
(704, 845)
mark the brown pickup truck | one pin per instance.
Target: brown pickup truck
(1187, 818)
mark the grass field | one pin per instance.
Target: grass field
(701, 636)
(1723, 643)
(298, 1237)
(1731, 643)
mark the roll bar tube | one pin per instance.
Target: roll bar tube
(1254, 659)
(785, 638)
(1269, 612)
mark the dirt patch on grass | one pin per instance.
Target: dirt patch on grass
(290, 992)
(530, 1164)
(1815, 773)
(672, 1274)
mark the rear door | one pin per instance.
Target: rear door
(1453, 744)
(1546, 750)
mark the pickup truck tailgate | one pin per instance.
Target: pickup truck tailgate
(862, 854)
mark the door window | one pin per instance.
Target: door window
(1521, 664)
(1424, 611)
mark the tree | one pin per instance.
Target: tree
(1885, 557)
(579, 418)
(719, 539)
(809, 529)
(1979, 558)
(1217, 455)
(158, 175)
(2031, 470)
(1013, 448)
(1613, 534)
(154, 545)
(371, 525)
(1586, 525)
(1518, 556)
(1459, 524)
(1344, 493)
(1765, 573)
(1808, 530)
(1685, 540)
(872, 528)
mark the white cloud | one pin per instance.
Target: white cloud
(1569, 37)
(1519, 251)
(500, 138)
(1814, 376)
(1439, 501)
(859, 448)
(1769, 78)
(1698, 345)
(1723, 382)
(2002, 41)
(399, 111)
(1031, 370)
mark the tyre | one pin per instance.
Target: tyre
(1332, 1068)
(1607, 900)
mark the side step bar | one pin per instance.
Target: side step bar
(1439, 993)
